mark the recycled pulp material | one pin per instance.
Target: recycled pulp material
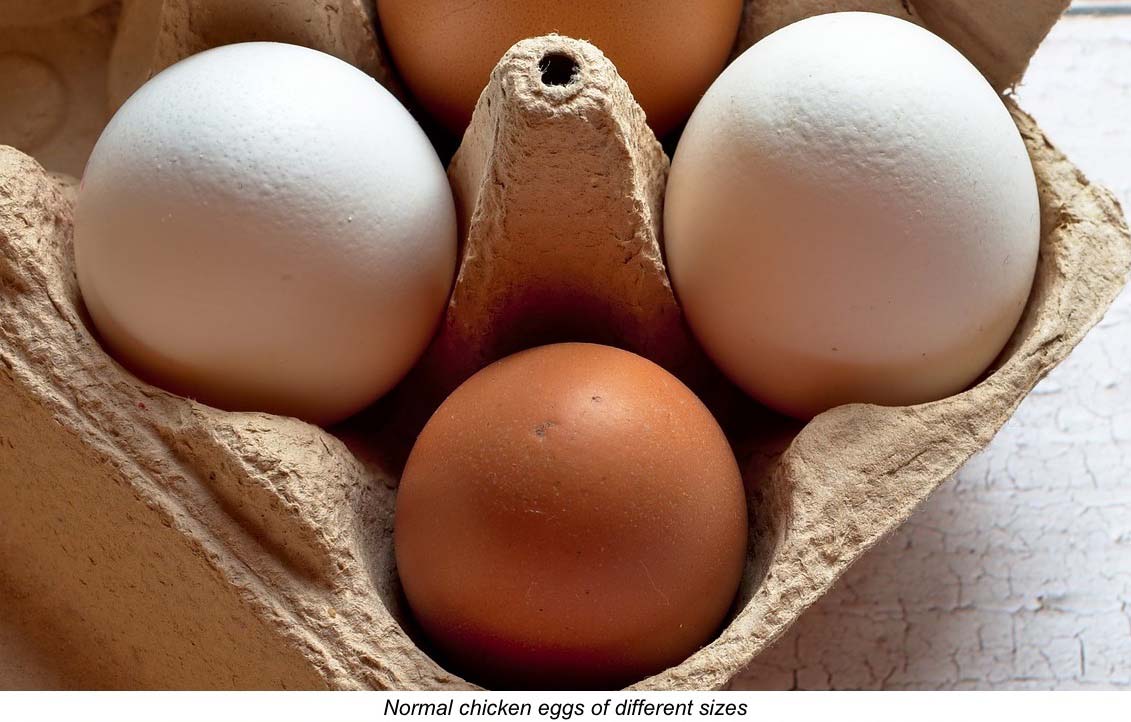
(178, 546)
(154, 34)
(42, 12)
(53, 101)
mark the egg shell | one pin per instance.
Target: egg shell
(843, 228)
(264, 227)
(445, 53)
(570, 516)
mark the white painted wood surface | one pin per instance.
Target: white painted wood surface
(1016, 574)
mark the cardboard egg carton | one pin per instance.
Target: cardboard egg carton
(173, 545)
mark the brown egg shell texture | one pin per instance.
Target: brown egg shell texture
(571, 516)
(444, 53)
(208, 549)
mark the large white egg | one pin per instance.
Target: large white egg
(264, 227)
(852, 217)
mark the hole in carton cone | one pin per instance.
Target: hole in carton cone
(558, 69)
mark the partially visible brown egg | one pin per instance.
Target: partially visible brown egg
(669, 51)
(571, 516)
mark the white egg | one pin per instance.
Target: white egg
(852, 216)
(264, 227)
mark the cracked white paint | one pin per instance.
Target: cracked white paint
(1016, 574)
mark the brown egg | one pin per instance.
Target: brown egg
(571, 516)
(669, 51)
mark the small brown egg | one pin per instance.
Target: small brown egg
(669, 51)
(571, 516)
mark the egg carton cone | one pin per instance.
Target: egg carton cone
(559, 188)
(166, 544)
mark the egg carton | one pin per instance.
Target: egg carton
(172, 545)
